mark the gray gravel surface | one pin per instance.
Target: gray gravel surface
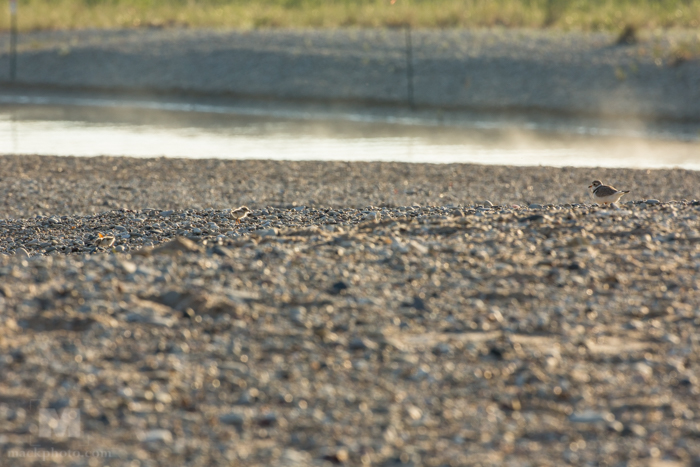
(453, 332)
(32, 185)
(571, 72)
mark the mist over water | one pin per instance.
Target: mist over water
(153, 129)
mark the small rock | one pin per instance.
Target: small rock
(591, 416)
(166, 213)
(297, 314)
(414, 412)
(22, 252)
(293, 458)
(636, 429)
(149, 318)
(234, 418)
(418, 247)
(672, 339)
(272, 232)
(222, 251)
(164, 436)
(268, 419)
(417, 303)
(653, 201)
(644, 370)
(338, 457)
(361, 343)
(535, 206)
(338, 287)
(533, 218)
(442, 348)
(177, 246)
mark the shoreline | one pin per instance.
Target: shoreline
(584, 74)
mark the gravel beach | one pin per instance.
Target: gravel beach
(363, 314)
(485, 69)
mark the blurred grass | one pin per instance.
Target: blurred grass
(560, 14)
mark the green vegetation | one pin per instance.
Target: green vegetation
(561, 14)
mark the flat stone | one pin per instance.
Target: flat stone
(271, 232)
(591, 417)
(21, 252)
(164, 436)
(234, 418)
(359, 343)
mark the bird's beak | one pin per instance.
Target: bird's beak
(590, 186)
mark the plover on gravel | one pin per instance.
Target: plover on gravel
(104, 241)
(240, 213)
(605, 193)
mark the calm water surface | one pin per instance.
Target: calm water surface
(92, 127)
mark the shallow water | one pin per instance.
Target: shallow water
(92, 127)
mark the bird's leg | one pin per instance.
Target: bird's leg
(238, 221)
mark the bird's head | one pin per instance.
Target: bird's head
(595, 184)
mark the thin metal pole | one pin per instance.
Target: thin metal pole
(13, 40)
(409, 67)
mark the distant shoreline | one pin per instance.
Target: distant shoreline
(506, 71)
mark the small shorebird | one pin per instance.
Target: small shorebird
(104, 241)
(605, 193)
(240, 213)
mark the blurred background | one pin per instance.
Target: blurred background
(550, 82)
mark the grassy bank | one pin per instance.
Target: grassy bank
(562, 14)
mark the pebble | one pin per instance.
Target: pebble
(265, 232)
(164, 436)
(21, 252)
(359, 343)
(591, 417)
(234, 418)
